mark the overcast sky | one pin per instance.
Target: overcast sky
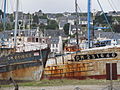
(55, 6)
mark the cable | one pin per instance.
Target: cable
(21, 7)
(115, 10)
(7, 6)
(114, 5)
(105, 17)
(12, 5)
(80, 17)
(111, 5)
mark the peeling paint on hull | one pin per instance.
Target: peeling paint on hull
(67, 67)
(29, 66)
(29, 73)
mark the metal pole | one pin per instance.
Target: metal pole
(16, 22)
(4, 17)
(89, 20)
(77, 22)
(4, 23)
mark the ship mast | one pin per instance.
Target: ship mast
(77, 22)
(16, 23)
(89, 20)
(4, 17)
(4, 24)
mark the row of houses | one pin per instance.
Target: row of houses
(54, 38)
(60, 18)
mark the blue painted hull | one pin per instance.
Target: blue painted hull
(23, 65)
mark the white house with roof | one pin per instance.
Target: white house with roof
(62, 21)
(71, 19)
(72, 29)
(25, 40)
(56, 45)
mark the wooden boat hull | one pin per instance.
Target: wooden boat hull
(91, 66)
(24, 66)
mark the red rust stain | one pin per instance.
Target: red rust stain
(25, 72)
(4, 75)
(20, 74)
(77, 71)
(67, 71)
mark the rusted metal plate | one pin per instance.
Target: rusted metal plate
(23, 65)
(29, 73)
(95, 67)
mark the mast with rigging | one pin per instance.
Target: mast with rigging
(16, 22)
(77, 22)
(89, 20)
(4, 17)
(4, 25)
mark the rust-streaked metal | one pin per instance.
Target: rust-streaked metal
(67, 67)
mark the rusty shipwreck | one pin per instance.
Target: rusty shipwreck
(24, 58)
(91, 62)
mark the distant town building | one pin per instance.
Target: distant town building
(20, 15)
(43, 21)
(114, 13)
(52, 17)
(71, 19)
(56, 45)
(66, 14)
(54, 33)
(39, 13)
(72, 29)
(62, 21)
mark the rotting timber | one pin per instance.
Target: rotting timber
(92, 65)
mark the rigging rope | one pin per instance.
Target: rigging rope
(105, 17)
(80, 16)
(21, 7)
(114, 5)
(111, 5)
(115, 9)
(7, 7)
(12, 5)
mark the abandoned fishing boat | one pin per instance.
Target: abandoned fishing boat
(24, 60)
(92, 62)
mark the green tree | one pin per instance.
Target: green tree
(35, 19)
(101, 19)
(66, 28)
(33, 26)
(116, 28)
(11, 18)
(9, 26)
(43, 17)
(52, 24)
(59, 15)
(42, 26)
